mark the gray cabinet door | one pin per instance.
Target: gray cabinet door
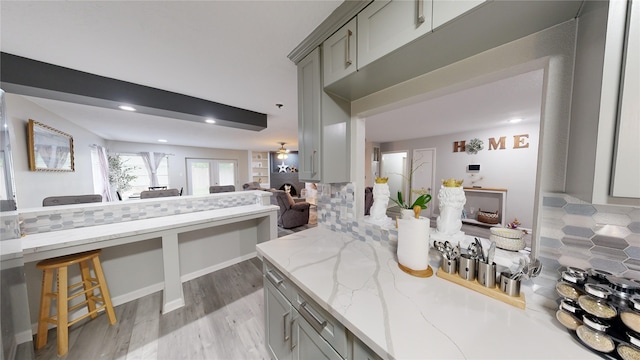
(308, 344)
(339, 53)
(626, 170)
(362, 351)
(309, 118)
(278, 320)
(386, 25)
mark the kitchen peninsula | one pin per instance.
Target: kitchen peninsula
(150, 245)
(399, 316)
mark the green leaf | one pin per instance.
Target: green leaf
(400, 199)
(422, 201)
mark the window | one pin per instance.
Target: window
(143, 178)
(202, 173)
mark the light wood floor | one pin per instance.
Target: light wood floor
(223, 319)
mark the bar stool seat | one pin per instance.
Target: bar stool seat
(63, 293)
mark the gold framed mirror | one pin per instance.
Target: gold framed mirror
(49, 149)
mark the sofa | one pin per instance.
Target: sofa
(221, 188)
(253, 185)
(291, 214)
(71, 199)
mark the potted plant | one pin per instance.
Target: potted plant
(407, 203)
(120, 176)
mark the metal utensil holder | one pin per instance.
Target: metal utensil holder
(467, 267)
(450, 265)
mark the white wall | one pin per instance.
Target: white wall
(513, 169)
(33, 186)
(177, 161)
(551, 49)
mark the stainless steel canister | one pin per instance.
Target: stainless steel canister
(450, 266)
(467, 267)
(487, 274)
(508, 285)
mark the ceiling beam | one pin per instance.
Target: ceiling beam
(23, 76)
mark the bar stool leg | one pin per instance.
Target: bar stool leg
(104, 290)
(86, 283)
(63, 315)
(45, 308)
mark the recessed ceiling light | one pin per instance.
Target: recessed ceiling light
(513, 121)
(127, 108)
(210, 121)
(162, 140)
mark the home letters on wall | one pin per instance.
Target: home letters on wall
(520, 141)
(49, 149)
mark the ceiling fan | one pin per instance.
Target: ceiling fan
(282, 152)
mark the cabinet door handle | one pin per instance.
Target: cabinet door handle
(274, 279)
(317, 323)
(348, 52)
(284, 326)
(293, 344)
(313, 165)
(420, 11)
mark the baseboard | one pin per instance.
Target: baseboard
(23, 337)
(172, 305)
(137, 294)
(216, 267)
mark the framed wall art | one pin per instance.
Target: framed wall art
(49, 149)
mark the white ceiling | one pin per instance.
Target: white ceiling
(231, 52)
(489, 105)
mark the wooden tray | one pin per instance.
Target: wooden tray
(418, 273)
(495, 292)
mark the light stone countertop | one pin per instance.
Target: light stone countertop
(53, 240)
(404, 317)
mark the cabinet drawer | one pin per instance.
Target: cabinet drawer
(279, 281)
(326, 325)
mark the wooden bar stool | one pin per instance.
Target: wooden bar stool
(63, 293)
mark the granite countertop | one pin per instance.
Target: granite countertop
(404, 317)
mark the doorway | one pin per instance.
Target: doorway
(422, 180)
(202, 173)
(394, 166)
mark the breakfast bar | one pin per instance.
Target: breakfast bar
(149, 245)
(52, 244)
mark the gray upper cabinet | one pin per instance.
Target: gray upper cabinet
(386, 25)
(447, 10)
(595, 103)
(309, 118)
(323, 132)
(339, 53)
(626, 171)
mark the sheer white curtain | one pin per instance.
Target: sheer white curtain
(152, 160)
(103, 163)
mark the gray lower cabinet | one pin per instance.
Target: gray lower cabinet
(278, 323)
(298, 329)
(362, 351)
(308, 344)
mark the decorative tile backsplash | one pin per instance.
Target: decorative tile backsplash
(572, 233)
(9, 226)
(69, 217)
(336, 211)
(580, 234)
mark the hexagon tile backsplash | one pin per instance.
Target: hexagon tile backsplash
(577, 233)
